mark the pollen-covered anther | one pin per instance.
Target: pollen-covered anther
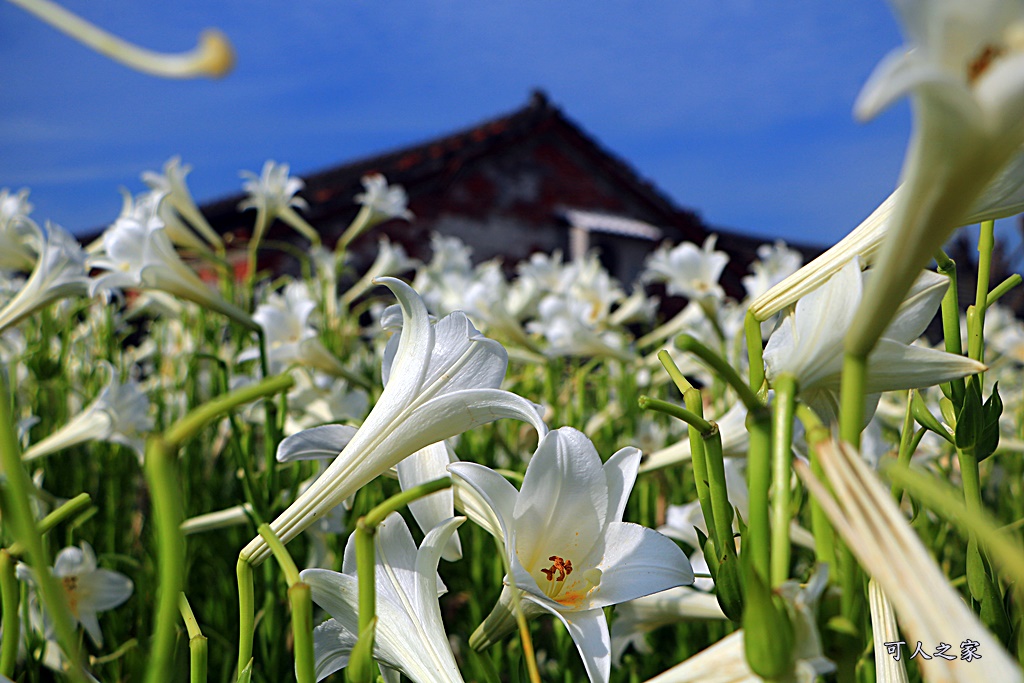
(562, 566)
(981, 63)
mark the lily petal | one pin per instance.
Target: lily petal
(428, 464)
(636, 561)
(323, 442)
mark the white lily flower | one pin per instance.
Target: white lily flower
(864, 513)
(391, 260)
(443, 381)
(171, 183)
(689, 271)
(775, 262)
(384, 202)
(272, 194)
(289, 336)
(59, 273)
(964, 66)
(88, 589)
(138, 254)
(272, 190)
(410, 635)
(809, 343)
(16, 248)
(120, 414)
(570, 552)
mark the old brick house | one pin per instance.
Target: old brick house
(531, 180)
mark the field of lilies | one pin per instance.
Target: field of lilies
(444, 472)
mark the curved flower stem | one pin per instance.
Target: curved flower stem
(17, 512)
(782, 439)
(66, 511)
(10, 593)
(213, 56)
(210, 411)
(976, 338)
(824, 535)
(360, 223)
(722, 369)
(246, 614)
(755, 350)
(909, 439)
(197, 645)
(1002, 288)
(366, 566)
(301, 601)
(951, 320)
(162, 477)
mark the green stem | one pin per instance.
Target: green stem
(782, 440)
(723, 513)
(291, 572)
(951, 319)
(722, 369)
(688, 416)
(909, 440)
(361, 222)
(698, 457)
(10, 593)
(1002, 288)
(976, 340)
(673, 371)
(246, 613)
(755, 350)
(66, 511)
(301, 599)
(366, 570)
(162, 479)
(759, 477)
(197, 645)
(210, 411)
(377, 515)
(851, 397)
(824, 535)
(17, 511)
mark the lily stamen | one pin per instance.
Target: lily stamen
(981, 63)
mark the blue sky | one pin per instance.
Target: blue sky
(738, 109)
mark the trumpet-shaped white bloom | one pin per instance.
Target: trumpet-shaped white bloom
(410, 636)
(59, 273)
(964, 65)
(88, 589)
(443, 381)
(171, 183)
(775, 262)
(383, 201)
(688, 270)
(16, 248)
(120, 414)
(272, 190)
(809, 342)
(570, 552)
(138, 254)
(289, 336)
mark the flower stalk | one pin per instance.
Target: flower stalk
(197, 644)
(10, 593)
(301, 601)
(213, 57)
(18, 513)
(782, 455)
